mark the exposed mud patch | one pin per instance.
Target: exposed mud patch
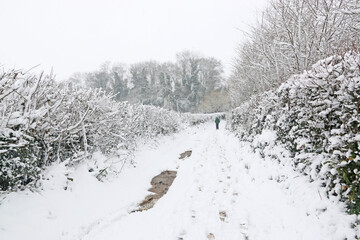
(160, 185)
(185, 154)
(210, 236)
(222, 215)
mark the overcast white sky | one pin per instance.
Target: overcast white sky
(78, 35)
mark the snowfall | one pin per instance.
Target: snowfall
(224, 190)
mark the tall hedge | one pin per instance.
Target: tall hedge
(316, 116)
(42, 122)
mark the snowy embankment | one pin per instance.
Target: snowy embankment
(224, 190)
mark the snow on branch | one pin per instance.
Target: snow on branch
(42, 122)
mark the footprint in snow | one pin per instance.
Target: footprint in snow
(222, 215)
(193, 214)
(182, 234)
(210, 236)
(244, 230)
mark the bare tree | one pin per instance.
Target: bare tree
(289, 38)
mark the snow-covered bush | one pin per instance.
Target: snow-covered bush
(316, 116)
(149, 121)
(42, 121)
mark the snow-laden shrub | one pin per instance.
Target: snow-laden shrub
(149, 121)
(316, 116)
(42, 121)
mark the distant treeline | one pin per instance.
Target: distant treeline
(192, 84)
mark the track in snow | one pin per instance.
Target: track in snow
(224, 191)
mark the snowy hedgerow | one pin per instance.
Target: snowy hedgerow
(42, 122)
(316, 116)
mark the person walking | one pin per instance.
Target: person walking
(217, 121)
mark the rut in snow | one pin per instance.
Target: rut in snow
(160, 185)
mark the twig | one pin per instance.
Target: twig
(319, 195)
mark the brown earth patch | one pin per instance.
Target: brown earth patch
(185, 154)
(160, 186)
(210, 236)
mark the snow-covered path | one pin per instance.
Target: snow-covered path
(223, 191)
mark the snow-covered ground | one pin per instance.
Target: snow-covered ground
(223, 191)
